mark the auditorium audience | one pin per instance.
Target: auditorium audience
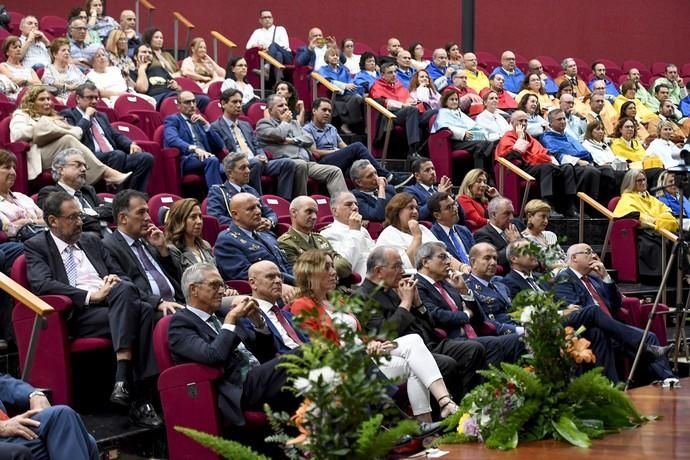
(98, 21)
(13, 68)
(128, 26)
(199, 66)
(183, 232)
(629, 110)
(237, 79)
(118, 52)
(664, 147)
(455, 56)
(423, 90)
(628, 92)
(294, 103)
(474, 195)
(511, 74)
(669, 194)
(62, 74)
(347, 103)
(625, 143)
(368, 72)
(405, 71)
(81, 51)
(110, 80)
(532, 85)
(476, 78)
(536, 124)
(549, 84)
(537, 216)
(34, 44)
(372, 191)
(153, 37)
(418, 61)
(674, 81)
(569, 67)
(16, 209)
(506, 101)
(492, 119)
(351, 63)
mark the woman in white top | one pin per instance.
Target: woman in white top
(492, 119)
(663, 147)
(537, 216)
(109, 80)
(16, 209)
(237, 79)
(417, 51)
(199, 66)
(423, 90)
(596, 145)
(404, 232)
(351, 59)
(61, 74)
(13, 68)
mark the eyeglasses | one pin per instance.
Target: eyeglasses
(587, 252)
(74, 217)
(188, 102)
(266, 17)
(91, 98)
(78, 164)
(442, 256)
(81, 28)
(214, 285)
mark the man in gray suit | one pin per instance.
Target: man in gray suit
(238, 137)
(284, 137)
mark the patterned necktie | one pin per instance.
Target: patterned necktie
(164, 289)
(291, 332)
(533, 284)
(469, 330)
(595, 295)
(70, 264)
(102, 143)
(455, 239)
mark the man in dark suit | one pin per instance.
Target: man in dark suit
(500, 230)
(191, 134)
(398, 306)
(425, 176)
(523, 262)
(457, 238)
(237, 136)
(111, 147)
(237, 169)
(593, 300)
(312, 54)
(105, 303)
(241, 245)
(491, 295)
(43, 431)
(197, 334)
(69, 173)
(372, 191)
(141, 249)
(267, 288)
(452, 305)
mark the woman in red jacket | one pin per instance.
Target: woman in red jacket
(474, 196)
(408, 357)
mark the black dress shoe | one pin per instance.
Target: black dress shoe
(555, 214)
(657, 352)
(144, 415)
(572, 212)
(120, 394)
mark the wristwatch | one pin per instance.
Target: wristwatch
(36, 393)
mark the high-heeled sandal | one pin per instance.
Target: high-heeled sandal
(450, 404)
(118, 181)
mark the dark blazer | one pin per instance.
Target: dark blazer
(220, 126)
(450, 321)
(193, 340)
(235, 252)
(494, 301)
(122, 253)
(305, 56)
(89, 223)
(216, 203)
(372, 208)
(14, 392)
(488, 234)
(389, 314)
(117, 140)
(280, 346)
(422, 195)
(569, 288)
(46, 271)
(177, 134)
(464, 234)
(516, 283)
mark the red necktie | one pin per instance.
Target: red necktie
(595, 295)
(291, 332)
(3, 416)
(100, 139)
(469, 330)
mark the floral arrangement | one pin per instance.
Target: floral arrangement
(546, 399)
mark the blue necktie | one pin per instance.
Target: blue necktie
(459, 246)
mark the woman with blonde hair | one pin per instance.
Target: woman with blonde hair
(183, 227)
(200, 67)
(474, 196)
(37, 122)
(537, 216)
(117, 48)
(407, 356)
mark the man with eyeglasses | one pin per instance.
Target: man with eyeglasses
(268, 33)
(550, 86)
(438, 69)
(69, 173)
(405, 70)
(200, 333)
(190, 133)
(105, 303)
(512, 75)
(35, 45)
(593, 300)
(109, 145)
(467, 95)
(81, 53)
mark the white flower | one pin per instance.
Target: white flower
(526, 315)
(326, 374)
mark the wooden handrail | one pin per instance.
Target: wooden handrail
(330, 86)
(24, 296)
(672, 237)
(271, 60)
(148, 5)
(224, 40)
(185, 22)
(596, 205)
(515, 170)
(379, 108)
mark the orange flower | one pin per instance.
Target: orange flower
(578, 348)
(298, 420)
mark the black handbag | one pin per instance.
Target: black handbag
(27, 231)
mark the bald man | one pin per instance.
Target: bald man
(241, 245)
(301, 237)
(128, 24)
(312, 54)
(438, 69)
(393, 48)
(476, 79)
(512, 75)
(405, 70)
